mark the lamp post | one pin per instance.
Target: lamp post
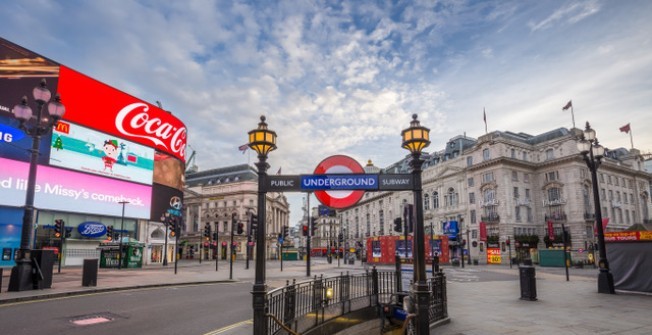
(167, 221)
(122, 228)
(34, 126)
(263, 141)
(592, 152)
(415, 139)
(234, 221)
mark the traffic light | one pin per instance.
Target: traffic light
(408, 217)
(68, 233)
(340, 238)
(207, 231)
(286, 231)
(313, 225)
(398, 227)
(240, 228)
(304, 230)
(109, 233)
(172, 226)
(215, 236)
(253, 224)
(57, 228)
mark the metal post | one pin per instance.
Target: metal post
(177, 231)
(122, 228)
(405, 233)
(233, 223)
(259, 290)
(165, 249)
(308, 237)
(468, 246)
(280, 246)
(201, 251)
(509, 248)
(217, 245)
(420, 287)
(61, 239)
(563, 239)
(249, 231)
(432, 248)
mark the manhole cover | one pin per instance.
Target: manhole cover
(92, 319)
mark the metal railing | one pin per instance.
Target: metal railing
(302, 306)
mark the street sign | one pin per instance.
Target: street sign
(340, 182)
(283, 183)
(403, 182)
(339, 164)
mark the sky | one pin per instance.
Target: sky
(344, 77)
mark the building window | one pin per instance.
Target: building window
(514, 175)
(381, 220)
(526, 177)
(488, 177)
(525, 156)
(609, 180)
(554, 194)
(529, 214)
(469, 161)
(550, 154)
(517, 213)
(602, 177)
(451, 198)
(587, 199)
(473, 218)
(516, 195)
(435, 200)
(603, 193)
(552, 176)
(616, 182)
(426, 201)
(485, 154)
(471, 198)
(627, 216)
(513, 153)
(470, 182)
(611, 195)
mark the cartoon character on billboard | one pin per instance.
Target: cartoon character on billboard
(111, 154)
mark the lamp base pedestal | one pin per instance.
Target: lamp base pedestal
(21, 276)
(605, 282)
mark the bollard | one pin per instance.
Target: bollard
(89, 272)
(527, 277)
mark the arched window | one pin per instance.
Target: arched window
(435, 200)
(587, 200)
(426, 201)
(451, 198)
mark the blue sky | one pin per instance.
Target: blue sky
(344, 77)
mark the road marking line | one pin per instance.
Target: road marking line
(229, 327)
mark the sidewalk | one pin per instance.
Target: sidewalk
(487, 308)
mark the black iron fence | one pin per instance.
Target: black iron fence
(301, 306)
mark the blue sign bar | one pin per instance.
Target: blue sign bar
(340, 182)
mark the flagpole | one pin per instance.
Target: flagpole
(573, 116)
(631, 137)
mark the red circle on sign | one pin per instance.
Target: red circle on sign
(334, 165)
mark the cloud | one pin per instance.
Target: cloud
(571, 13)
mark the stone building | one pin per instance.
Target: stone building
(506, 189)
(223, 198)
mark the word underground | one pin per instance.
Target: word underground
(349, 182)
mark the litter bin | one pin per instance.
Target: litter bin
(89, 272)
(528, 283)
(43, 261)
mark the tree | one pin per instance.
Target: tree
(58, 143)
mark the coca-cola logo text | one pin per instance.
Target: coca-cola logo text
(135, 117)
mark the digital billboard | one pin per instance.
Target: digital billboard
(63, 190)
(165, 200)
(120, 114)
(15, 144)
(83, 149)
(168, 171)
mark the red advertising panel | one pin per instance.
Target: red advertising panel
(628, 236)
(483, 231)
(384, 249)
(94, 104)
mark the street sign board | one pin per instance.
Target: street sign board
(403, 182)
(340, 182)
(283, 183)
(339, 198)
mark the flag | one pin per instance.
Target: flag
(484, 117)
(568, 105)
(279, 171)
(243, 148)
(625, 129)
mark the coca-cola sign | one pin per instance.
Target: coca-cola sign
(99, 106)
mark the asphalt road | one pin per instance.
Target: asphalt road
(169, 310)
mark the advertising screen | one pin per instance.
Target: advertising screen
(15, 144)
(79, 148)
(451, 229)
(64, 190)
(168, 170)
(165, 200)
(120, 114)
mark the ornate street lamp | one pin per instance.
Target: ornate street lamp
(415, 139)
(592, 152)
(263, 141)
(34, 126)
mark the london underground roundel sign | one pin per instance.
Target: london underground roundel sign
(334, 165)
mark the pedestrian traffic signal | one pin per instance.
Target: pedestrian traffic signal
(109, 233)
(398, 227)
(58, 227)
(286, 231)
(240, 228)
(304, 230)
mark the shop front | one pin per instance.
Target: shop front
(131, 255)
